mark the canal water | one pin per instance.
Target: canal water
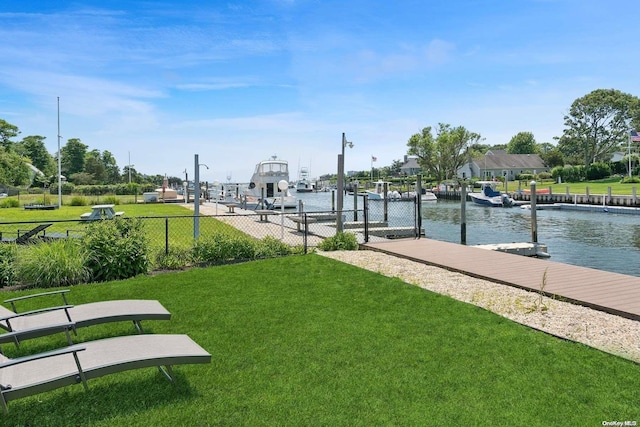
(601, 240)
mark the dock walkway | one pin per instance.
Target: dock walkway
(609, 292)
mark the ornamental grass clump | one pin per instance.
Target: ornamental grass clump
(59, 263)
(8, 254)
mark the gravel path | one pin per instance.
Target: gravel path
(597, 329)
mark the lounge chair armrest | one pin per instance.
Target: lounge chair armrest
(61, 292)
(39, 310)
(71, 349)
(15, 336)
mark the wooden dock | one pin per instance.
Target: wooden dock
(609, 292)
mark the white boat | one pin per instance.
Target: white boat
(263, 188)
(304, 185)
(427, 196)
(489, 196)
(377, 193)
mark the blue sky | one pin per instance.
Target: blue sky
(238, 82)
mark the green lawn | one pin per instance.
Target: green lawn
(595, 187)
(306, 340)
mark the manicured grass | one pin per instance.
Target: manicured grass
(306, 340)
(595, 187)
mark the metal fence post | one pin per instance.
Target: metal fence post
(365, 214)
(166, 235)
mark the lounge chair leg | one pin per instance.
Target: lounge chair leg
(4, 405)
(66, 332)
(167, 372)
(138, 326)
(81, 372)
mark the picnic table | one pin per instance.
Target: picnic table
(101, 212)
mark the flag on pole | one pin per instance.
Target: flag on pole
(375, 159)
(634, 136)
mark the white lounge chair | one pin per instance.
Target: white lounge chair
(29, 375)
(46, 321)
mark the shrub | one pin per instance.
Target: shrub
(59, 263)
(630, 180)
(270, 247)
(219, 247)
(78, 201)
(8, 254)
(177, 258)
(110, 200)
(598, 170)
(116, 249)
(9, 203)
(340, 242)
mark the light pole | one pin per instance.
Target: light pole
(282, 186)
(196, 196)
(345, 143)
(129, 167)
(59, 161)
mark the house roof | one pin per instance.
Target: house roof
(511, 161)
(412, 163)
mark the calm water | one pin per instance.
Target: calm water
(604, 241)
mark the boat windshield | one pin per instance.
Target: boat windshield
(273, 168)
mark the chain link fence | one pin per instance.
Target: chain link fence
(375, 220)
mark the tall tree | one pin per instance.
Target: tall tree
(13, 169)
(72, 156)
(443, 155)
(32, 146)
(111, 168)
(598, 124)
(522, 143)
(7, 131)
(94, 167)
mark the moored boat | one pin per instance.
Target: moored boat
(263, 188)
(489, 196)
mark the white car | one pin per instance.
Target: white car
(3, 195)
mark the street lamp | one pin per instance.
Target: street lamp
(196, 197)
(282, 186)
(345, 143)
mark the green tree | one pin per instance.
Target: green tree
(33, 148)
(553, 158)
(522, 143)
(7, 131)
(443, 155)
(93, 166)
(73, 156)
(13, 169)
(111, 168)
(598, 124)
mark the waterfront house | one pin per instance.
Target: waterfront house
(497, 163)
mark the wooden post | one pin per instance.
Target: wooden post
(463, 213)
(534, 221)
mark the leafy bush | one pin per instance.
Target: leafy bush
(270, 247)
(544, 175)
(8, 254)
(176, 259)
(598, 170)
(219, 247)
(116, 249)
(340, 242)
(59, 263)
(78, 201)
(110, 200)
(630, 180)
(9, 203)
